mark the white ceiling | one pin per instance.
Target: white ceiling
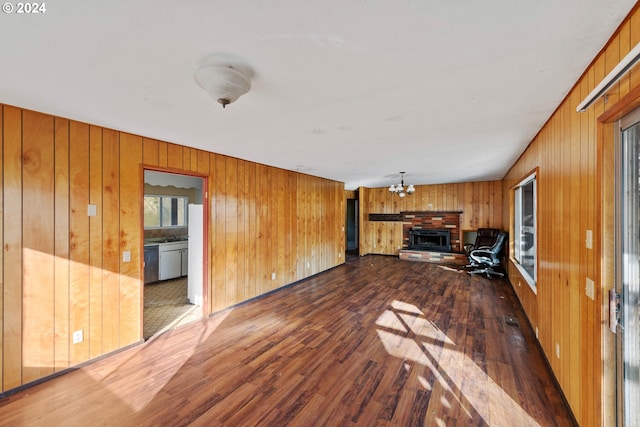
(355, 91)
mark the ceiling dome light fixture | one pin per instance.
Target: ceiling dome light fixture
(400, 190)
(223, 83)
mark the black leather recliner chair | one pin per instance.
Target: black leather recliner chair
(485, 238)
(485, 260)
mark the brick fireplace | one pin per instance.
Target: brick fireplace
(429, 249)
(439, 221)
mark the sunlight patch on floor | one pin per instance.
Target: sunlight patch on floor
(389, 320)
(403, 306)
(157, 372)
(458, 376)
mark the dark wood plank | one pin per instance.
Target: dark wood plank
(376, 341)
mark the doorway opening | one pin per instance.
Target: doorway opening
(352, 227)
(174, 238)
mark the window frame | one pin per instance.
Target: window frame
(518, 219)
(160, 215)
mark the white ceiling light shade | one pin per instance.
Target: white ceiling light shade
(223, 83)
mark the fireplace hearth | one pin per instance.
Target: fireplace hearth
(432, 239)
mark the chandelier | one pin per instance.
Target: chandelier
(399, 189)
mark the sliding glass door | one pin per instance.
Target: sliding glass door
(628, 282)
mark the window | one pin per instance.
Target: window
(524, 240)
(165, 211)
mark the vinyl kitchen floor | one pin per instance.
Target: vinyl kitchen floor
(166, 306)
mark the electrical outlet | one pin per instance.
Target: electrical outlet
(339, 255)
(308, 265)
(77, 337)
(92, 210)
(126, 256)
(590, 289)
(558, 350)
(589, 239)
(273, 276)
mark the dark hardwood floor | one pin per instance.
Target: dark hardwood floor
(375, 342)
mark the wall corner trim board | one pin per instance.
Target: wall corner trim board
(64, 271)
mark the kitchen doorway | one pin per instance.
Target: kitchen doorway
(174, 257)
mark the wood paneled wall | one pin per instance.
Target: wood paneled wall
(480, 202)
(575, 194)
(63, 271)
(350, 194)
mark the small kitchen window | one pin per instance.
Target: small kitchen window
(165, 211)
